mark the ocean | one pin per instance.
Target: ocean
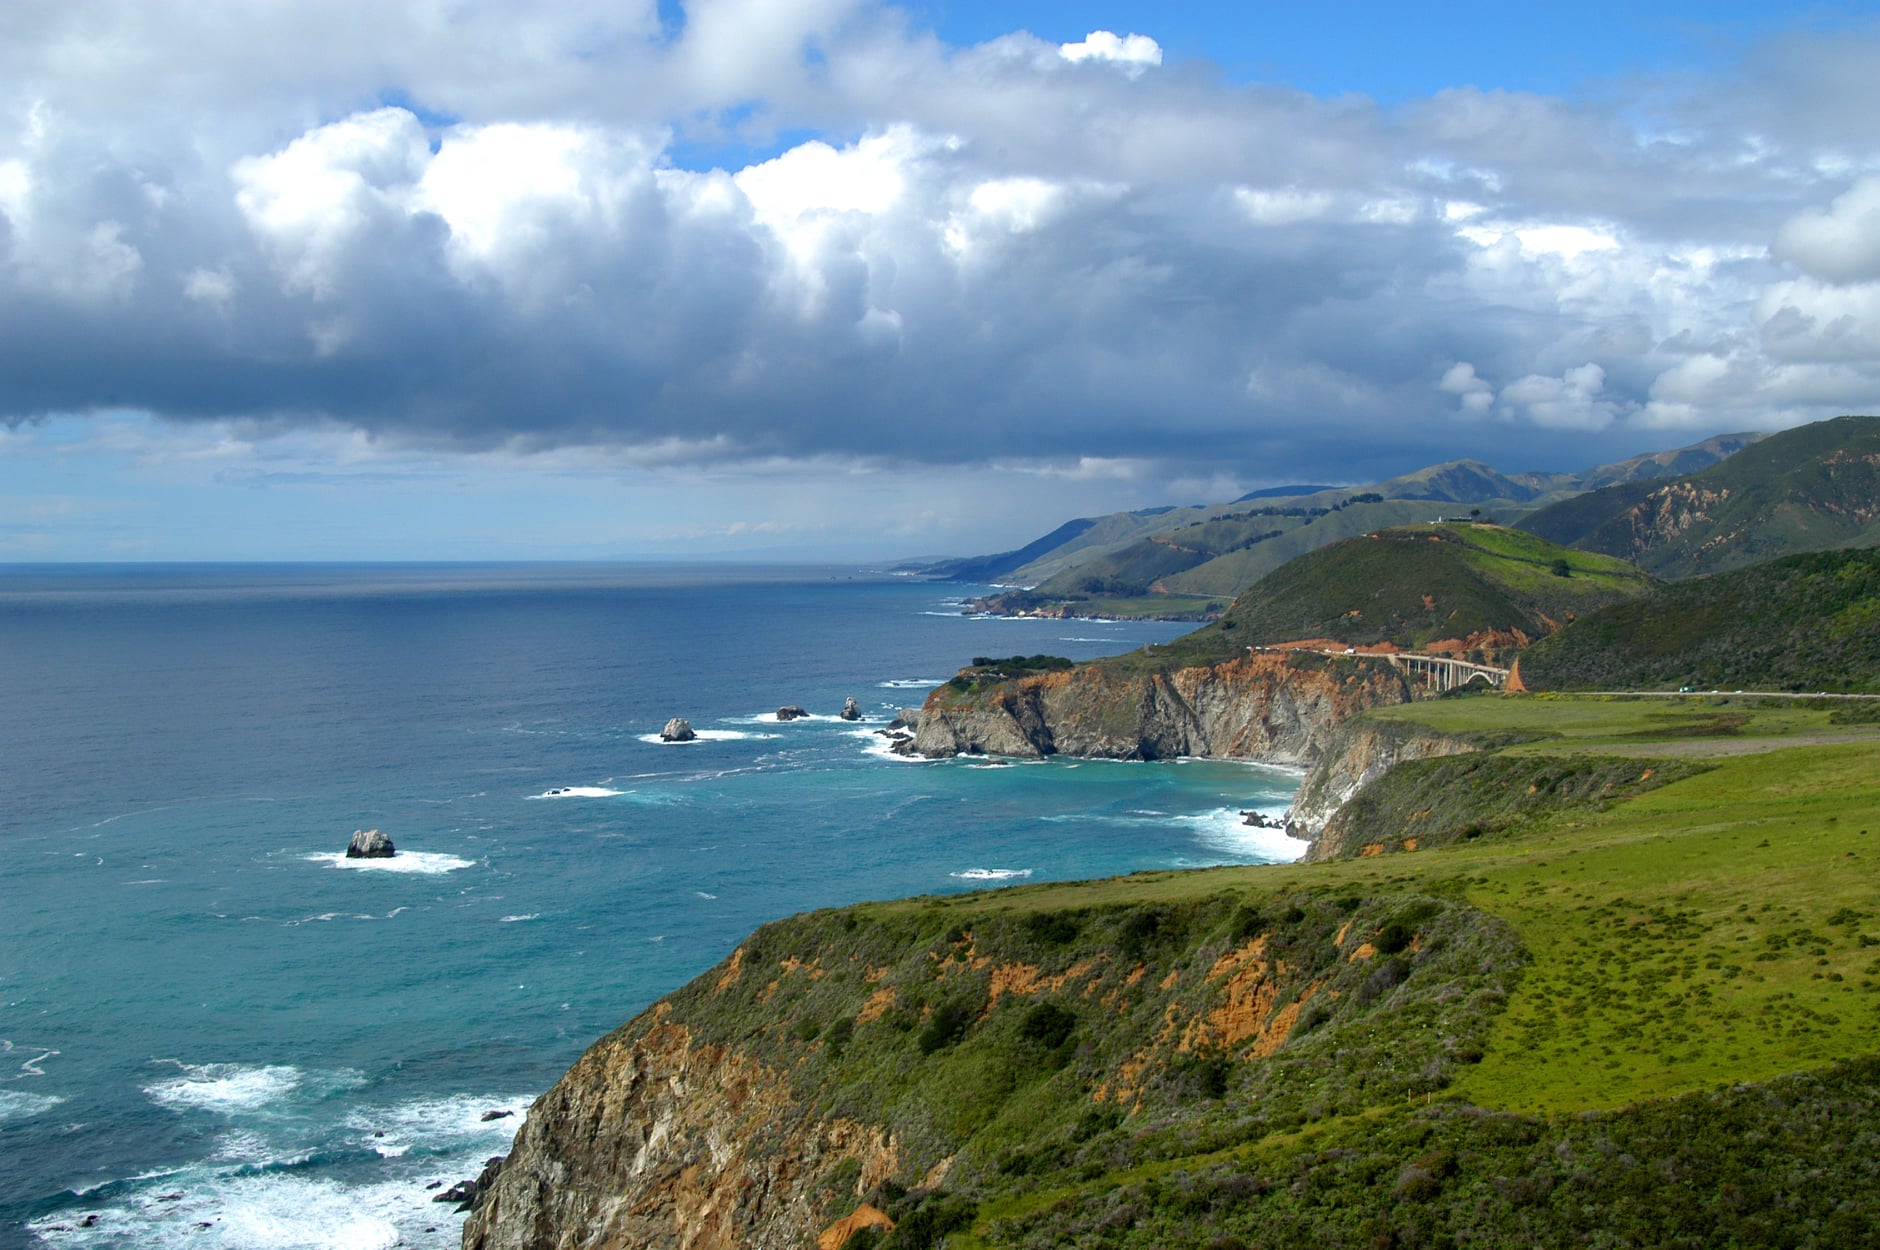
(217, 1032)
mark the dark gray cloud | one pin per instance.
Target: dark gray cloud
(998, 255)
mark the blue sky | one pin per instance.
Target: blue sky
(1397, 51)
(853, 280)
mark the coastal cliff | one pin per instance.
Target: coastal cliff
(1361, 752)
(655, 1138)
(899, 1066)
(1274, 707)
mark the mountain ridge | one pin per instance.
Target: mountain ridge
(1154, 562)
(1810, 488)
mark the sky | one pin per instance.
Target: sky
(855, 280)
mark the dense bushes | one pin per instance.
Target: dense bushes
(1794, 1162)
(1808, 622)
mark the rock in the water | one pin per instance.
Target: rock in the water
(791, 712)
(469, 1194)
(851, 710)
(678, 729)
(906, 718)
(369, 844)
(496, 1115)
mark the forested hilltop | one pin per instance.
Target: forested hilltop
(1801, 623)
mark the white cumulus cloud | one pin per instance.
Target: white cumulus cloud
(1571, 401)
(1477, 397)
(1840, 243)
(1135, 53)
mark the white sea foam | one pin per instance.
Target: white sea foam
(533, 915)
(704, 735)
(703, 894)
(991, 874)
(327, 916)
(439, 1125)
(423, 862)
(770, 718)
(238, 1088)
(1284, 770)
(270, 1210)
(28, 1067)
(580, 792)
(17, 1104)
(912, 683)
(275, 1198)
(1226, 830)
(881, 748)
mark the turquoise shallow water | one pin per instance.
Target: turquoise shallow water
(216, 1033)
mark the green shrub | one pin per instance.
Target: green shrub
(946, 1026)
(1054, 928)
(1393, 937)
(1048, 1025)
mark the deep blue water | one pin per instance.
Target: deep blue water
(206, 1019)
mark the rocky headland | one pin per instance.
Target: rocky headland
(1272, 707)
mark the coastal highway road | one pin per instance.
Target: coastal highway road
(1709, 694)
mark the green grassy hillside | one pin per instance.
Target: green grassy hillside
(1649, 1020)
(1232, 572)
(1807, 622)
(1414, 585)
(1807, 489)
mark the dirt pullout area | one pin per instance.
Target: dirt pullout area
(1715, 748)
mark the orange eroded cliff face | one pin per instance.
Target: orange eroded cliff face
(945, 1049)
(1269, 706)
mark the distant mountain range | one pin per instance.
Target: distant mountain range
(1808, 489)
(1188, 562)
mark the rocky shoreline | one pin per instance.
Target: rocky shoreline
(1270, 707)
(685, 1144)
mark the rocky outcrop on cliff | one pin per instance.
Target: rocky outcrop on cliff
(656, 1139)
(1276, 707)
(1358, 754)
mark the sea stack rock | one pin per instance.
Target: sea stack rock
(791, 712)
(678, 729)
(850, 709)
(369, 844)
